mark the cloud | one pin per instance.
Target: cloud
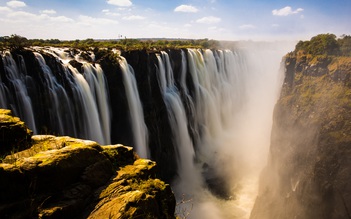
(247, 27)
(109, 13)
(123, 9)
(61, 19)
(89, 21)
(286, 11)
(25, 17)
(5, 9)
(16, 4)
(121, 3)
(186, 8)
(22, 16)
(48, 11)
(133, 18)
(209, 20)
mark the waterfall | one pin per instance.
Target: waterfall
(229, 107)
(90, 113)
(188, 176)
(3, 91)
(17, 76)
(75, 104)
(135, 110)
(89, 98)
(59, 105)
(97, 84)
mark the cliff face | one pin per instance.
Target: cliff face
(308, 172)
(64, 177)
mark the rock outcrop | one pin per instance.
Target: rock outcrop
(64, 177)
(14, 134)
(308, 172)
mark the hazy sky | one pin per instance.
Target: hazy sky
(213, 19)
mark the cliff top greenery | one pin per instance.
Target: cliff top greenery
(325, 44)
(15, 42)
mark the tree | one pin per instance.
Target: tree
(323, 44)
(16, 42)
(302, 45)
(345, 45)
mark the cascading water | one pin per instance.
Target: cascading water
(232, 101)
(61, 115)
(96, 80)
(135, 110)
(76, 105)
(90, 113)
(177, 117)
(91, 97)
(17, 76)
(90, 93)
(216, 83)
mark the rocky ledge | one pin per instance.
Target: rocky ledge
(64, 177)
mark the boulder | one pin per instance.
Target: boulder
(133, 193)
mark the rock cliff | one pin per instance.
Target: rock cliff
(64, 177)
(14, 134)
(308, 171)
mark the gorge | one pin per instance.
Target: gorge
(204, 116)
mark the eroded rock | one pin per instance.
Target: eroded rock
(64, 177)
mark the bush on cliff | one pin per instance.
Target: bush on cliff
(325, 44)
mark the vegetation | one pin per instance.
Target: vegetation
(325, 44)
(15, 42)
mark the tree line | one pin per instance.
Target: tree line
(15, 42)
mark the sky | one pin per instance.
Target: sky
(195, 19)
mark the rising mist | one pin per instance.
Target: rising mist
(234, 146)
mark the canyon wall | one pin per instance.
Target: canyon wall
(308, 170)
